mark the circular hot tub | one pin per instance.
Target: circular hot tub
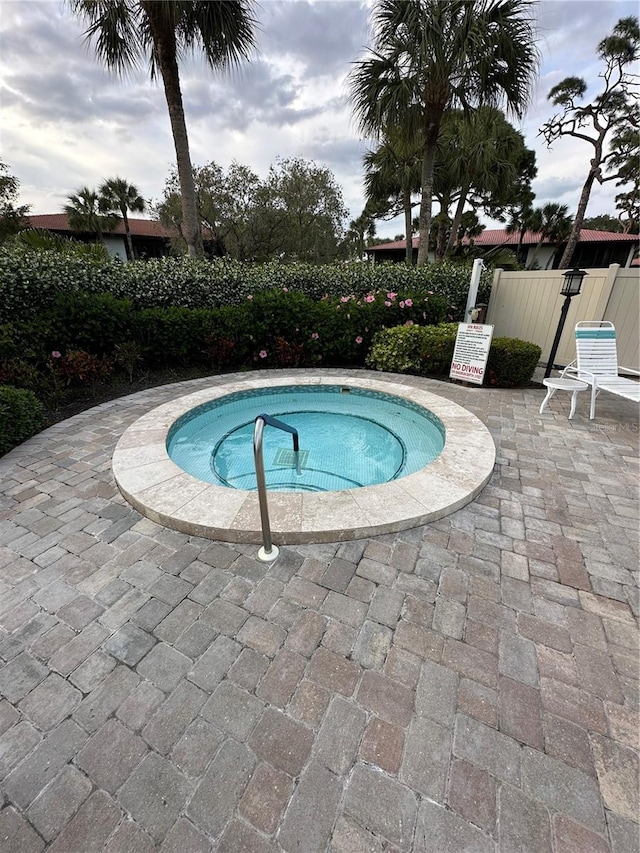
(349, 437)
(163, 491)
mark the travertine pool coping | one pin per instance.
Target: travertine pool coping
(163, 492)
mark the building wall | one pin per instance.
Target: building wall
(527, 305)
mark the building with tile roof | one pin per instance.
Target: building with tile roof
(595, 248)
(150, 239)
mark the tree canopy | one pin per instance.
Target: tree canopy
(296, 213)
(430, 56)
(611, 116)
(12, 216)
(392, 177)
(160, 33)
(482, 163)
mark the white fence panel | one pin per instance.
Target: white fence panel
(527, 305)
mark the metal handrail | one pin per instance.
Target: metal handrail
(269, 551)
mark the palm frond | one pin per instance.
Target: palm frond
(113, 27)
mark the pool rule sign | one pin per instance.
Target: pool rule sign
(471, 352)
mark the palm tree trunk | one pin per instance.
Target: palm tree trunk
(426, 201)
(165, 51)
(408, 229)
(572, 242)
(190, 220)
(453, 233)
(127, 231)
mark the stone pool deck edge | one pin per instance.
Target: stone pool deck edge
(160, 490)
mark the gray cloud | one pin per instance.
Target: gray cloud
(62, 109)
(257, 94)
(326, 36)
(344, 154)
(557, 189)
(78, 96)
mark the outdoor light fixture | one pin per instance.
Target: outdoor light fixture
(570, 288)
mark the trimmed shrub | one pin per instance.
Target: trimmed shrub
(427, 351)
(276, 328)
(414, 349)
(511, 362)
(94, 322)
(21, 416)
(30, 281)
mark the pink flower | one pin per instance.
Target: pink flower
(370, 298)
(430, 292)
(285, 290)
(250, 296)
(345, 298)
(387, 304)
(409, 323)
(402, 304)
(359, 339)
(408, 303)
(263, 353)
(314, 336)
(56, 354)
(391, 296)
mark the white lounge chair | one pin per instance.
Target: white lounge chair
(597, 363)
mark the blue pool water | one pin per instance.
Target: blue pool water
(349, 437)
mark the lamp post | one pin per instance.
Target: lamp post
(570, 288)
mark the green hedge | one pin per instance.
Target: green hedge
(428, 351)
(511, 362)
(21, 416)
(273, 328)
(413, 349)
(30, 281)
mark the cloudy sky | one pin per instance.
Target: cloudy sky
(67, 123)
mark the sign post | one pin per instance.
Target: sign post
(471, 352)
(476, 272)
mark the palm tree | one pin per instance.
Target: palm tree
(117, 194)
(554, 225)
(437, 55)
(518, 221)
(161, 32)
(393, 171)
(86, 212)
(483, 157)
(361, 228)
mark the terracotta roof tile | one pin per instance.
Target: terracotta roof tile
(500, 237)
(138, 227)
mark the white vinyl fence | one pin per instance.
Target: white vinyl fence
(527, 305)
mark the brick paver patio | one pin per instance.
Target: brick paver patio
(470, 685)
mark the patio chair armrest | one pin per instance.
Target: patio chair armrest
(585, 375)
(628, 370)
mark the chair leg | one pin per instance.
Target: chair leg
(550, 393)
(592, 412)
(574, 399)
